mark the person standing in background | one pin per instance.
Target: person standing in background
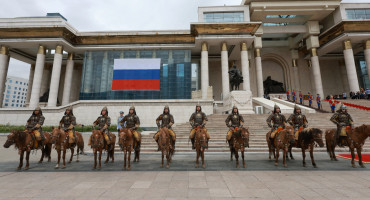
(294, 94)
(301, 97)
(310, 98)
(287, 94)
(318, 100)
(332, 104)
(121, 116)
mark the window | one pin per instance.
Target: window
(6, 104)
(17, 105)
(9, 87)
(165, 70)
(17, 97)
(358, 13)
(10, 81)
(12, 104)
(15, 88)
(180, 70)
(19, 93)
(16, 82)
(20, 83)
(8, 91)
(17, 101)
(223, 16)
(13, 100)
(6, 100)
(7, 96)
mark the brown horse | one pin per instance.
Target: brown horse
(97, 144)
(239, 140)
(306, 140)
(126, 142)
(165, 145)
(355, 139)
(24, 142)
(59, 138)
(282, 141)
(110, 148)
(201, 145)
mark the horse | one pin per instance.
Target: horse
(24, 142)
(239, 140)
(110, 149)
(59, 138)
(200, 144)
(235, 82)
(126, 142)
(165, 145)
(282, 140)
(306, 140)
(97, 144)
(355, 139)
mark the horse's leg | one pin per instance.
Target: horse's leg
(237, 158)
(290, 152)
(112, 155)
(333, 145)
(27, 160)
(284, 156)
(49, 152)
(100, 152)
(231, 153)
(42, 154)
(277, 156)
(72, 152)
(168, 158)
(124, 158)
(95, 157)
(59, 152)
(304, 156)
(20, 160)
(129, 159)
(64, 158)
(162, 157)
(360, 158)
(197, 160)
(203, 164)
(353, 157)
(78, 153)
(311, 155)
(242, 152)
(270, 150)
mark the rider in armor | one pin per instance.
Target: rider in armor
(198, 118)
(343, 120)
(132, 123)
(34, 125)
(165, 120)
(298, 121)
(278, 122)
(68, 122)
(103, 122)
(236, 121)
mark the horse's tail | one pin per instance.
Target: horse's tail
(47, 150)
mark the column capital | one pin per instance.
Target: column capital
(347, 45)
(257, 52)
(4, 50)
(367, 45)
(42, 50)
(313, 52)
(223, 46)
(59, 49)
(71, 56)
(204, 46)
(243, 46)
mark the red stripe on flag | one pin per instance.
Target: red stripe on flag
(136, 85)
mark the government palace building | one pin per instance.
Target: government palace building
(316, 46)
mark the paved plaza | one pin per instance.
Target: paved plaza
(220, 180)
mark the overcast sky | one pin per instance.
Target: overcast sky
(108, 15)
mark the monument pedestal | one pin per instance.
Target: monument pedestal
(241, 99)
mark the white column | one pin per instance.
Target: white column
(55, 76)
(37, 78)
(225, 71)
(4, 65)
(367, 56)
(343, 73)
(259, 73)
(204, 71)
(316, 72)
(245, 66)
(349, 59)
(68, 79)
(30, 82)
(296, 76)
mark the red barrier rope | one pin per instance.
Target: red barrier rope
(352, 105)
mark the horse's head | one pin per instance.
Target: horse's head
(164, 137)
(201, 138)
(96, 139)
(11, 139)
(245, 135)
(317, 136)
(290, 132)
(55, 134)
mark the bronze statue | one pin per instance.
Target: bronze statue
(272, 86)
(235, 78)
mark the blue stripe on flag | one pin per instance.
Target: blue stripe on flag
(147, 74)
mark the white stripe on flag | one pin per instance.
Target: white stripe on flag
(137, 63)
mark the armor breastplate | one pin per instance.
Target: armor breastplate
(278, 120)
(166, 119)
(298, 120)
(102, 121)
(343, 118)
(235, 120)
(130, 121)
(66, 120)
(198, 119)
(34, 120)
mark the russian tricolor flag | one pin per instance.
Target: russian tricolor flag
(136, 74)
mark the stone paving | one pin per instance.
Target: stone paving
(220, 180)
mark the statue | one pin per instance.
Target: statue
(45, 96)
(272, 86)
(235, 78)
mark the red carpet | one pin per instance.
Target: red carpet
(365, 157)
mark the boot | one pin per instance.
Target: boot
(192, 143)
